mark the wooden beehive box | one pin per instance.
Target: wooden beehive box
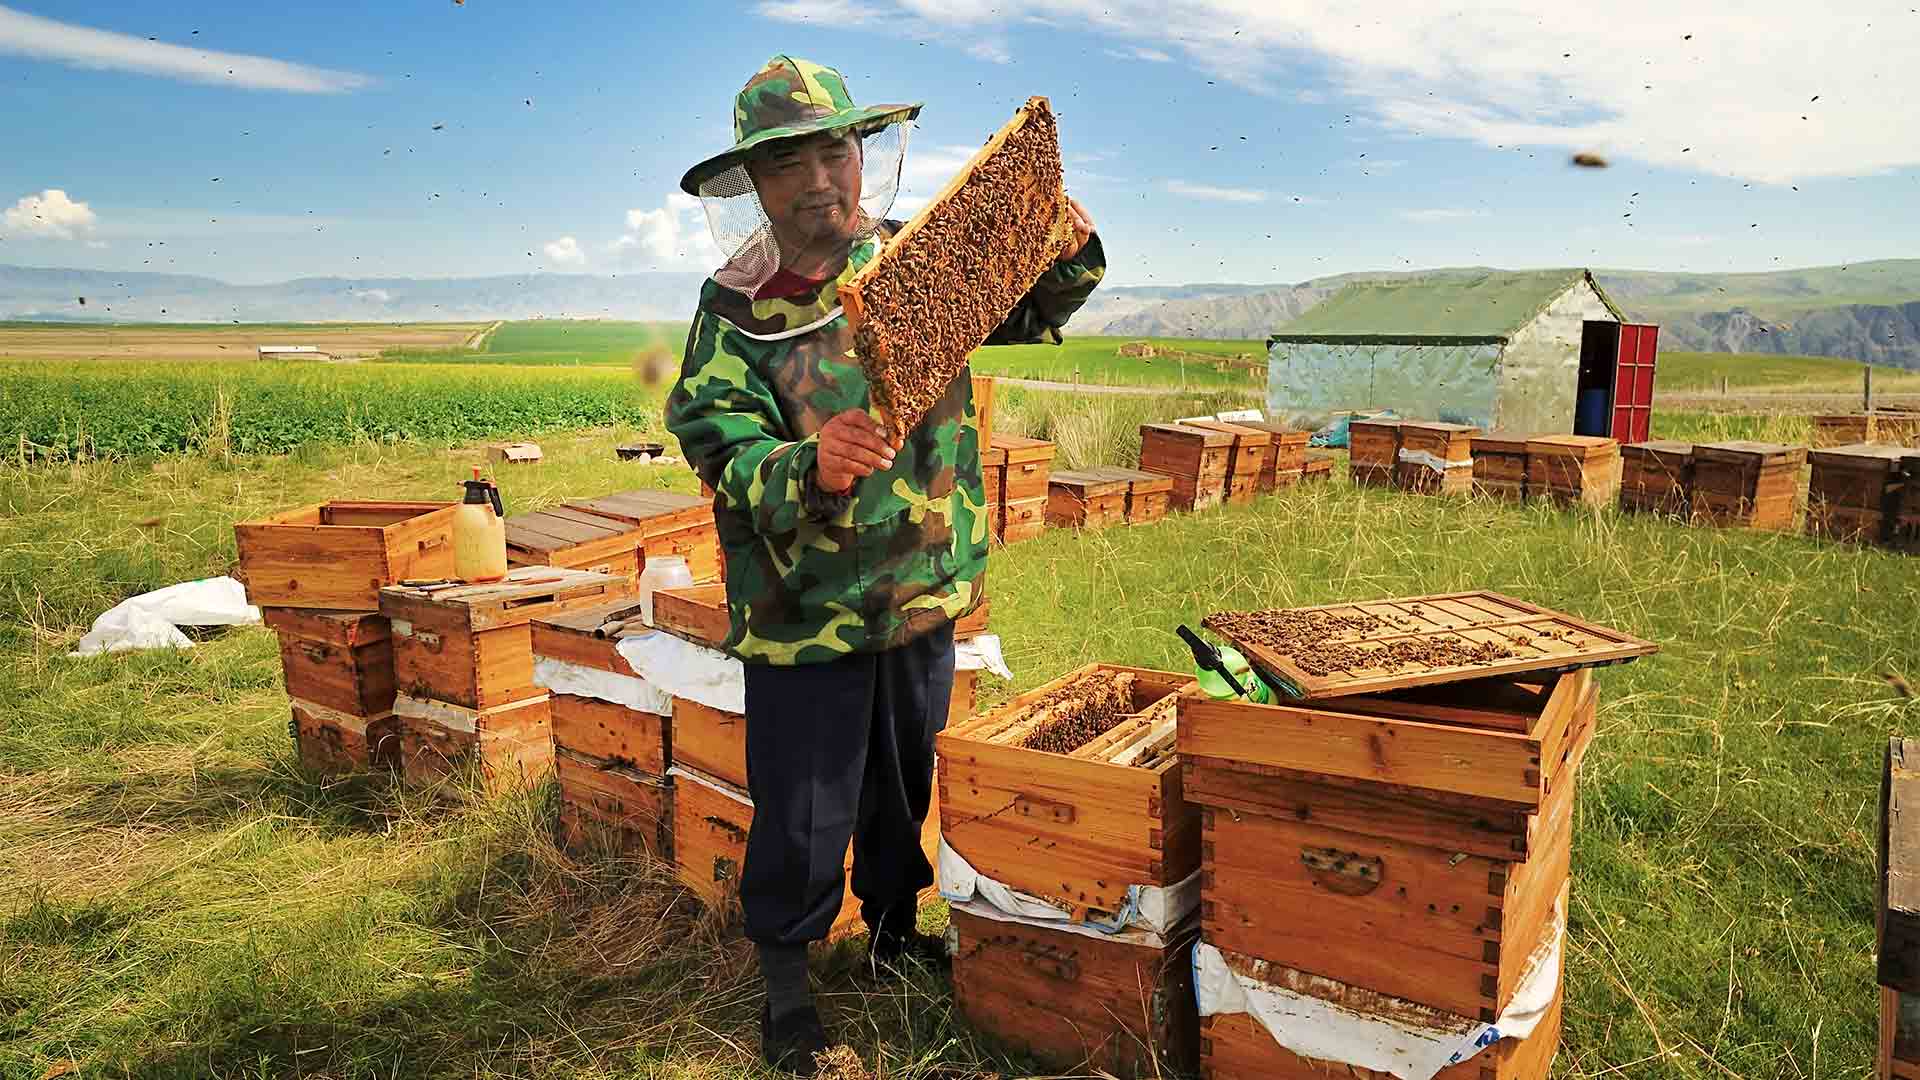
(1373, 451)
(1744, 483)
(1250, 459)
(1656, 477)
(1086, 499)
(974, 623)
(1574, 469)
(993, 479)
(1897, 913)
(1500, 465)
(575, 540)
(1412, 844)
(1072, 999)
(1319, 465)
(1435, 458)
(1287, 457)
(341, 660)
(1906, 526)
(614, 804)
(1076, 828)
(523, 453)
(997, 225)
(1843, 429)
(671, 523)
(695, 612)
(472, 645)
(507, 748)
(1196, 459)
(1898, 426)
(1147, 493)
(1234, 1046)
(711, 741)
(1023, 486)
(711, 819)
(339, 554)
(607, 732)
(330, 740)
(1854, 492)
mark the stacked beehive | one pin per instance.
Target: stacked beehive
(1319, 465)
(1147, 493)
(1196, 459)
(1656, 477)
(1855, 492)
(1581, 470)
(1023, 487)
(315, 573)
(1500, 465)
(1906, 527)
(612, 730)
(660, 523)
(1897, 915)
(1288, 460)
(463, 666)
(1435, 459)
(1070, 796)
(1250, 459)
(1386, 862)
(1373, 452)
(1744, 483)
(1086, 499)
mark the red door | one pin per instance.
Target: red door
(1633, 383)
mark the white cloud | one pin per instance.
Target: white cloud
(378, 296)
(992, 51)
(672, 235)
(1441, 213)
(50, 213)
(564, 251)
(1775, 93)
(79, 46)
(1154, 56)
(1216, 194)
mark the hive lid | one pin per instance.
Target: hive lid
(1088, 482)
(993, 456)
(1741, 450)
(1142, 481)
(1020, 449)
(1416, 641)
(656, 512)
(1657, 447)
(1502, 442)
(1580, 446)
(1282, 434)
(1876, 457)
(1246, 433)
(1381, 424)
(560, 528)
(1445, 428)
(1205, 436)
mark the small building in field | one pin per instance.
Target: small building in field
(1137, 350)
(294, 352)
(1543, 351)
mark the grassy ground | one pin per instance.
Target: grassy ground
(566, 342)
(1679, 372)
(178, 900)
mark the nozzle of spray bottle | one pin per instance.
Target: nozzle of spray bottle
(1223, 672)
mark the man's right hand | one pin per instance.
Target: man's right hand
(852, 445)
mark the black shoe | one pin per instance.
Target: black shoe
(790, 1043)
(891, 952)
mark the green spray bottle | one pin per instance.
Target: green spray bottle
(1224, 673)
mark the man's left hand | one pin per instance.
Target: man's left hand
(1082, 223)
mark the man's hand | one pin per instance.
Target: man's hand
(1082, 223)
(852, 445)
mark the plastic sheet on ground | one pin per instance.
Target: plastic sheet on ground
(1148, 908)
(1335, 434)
(153, 620)
(564, 677)
(1312, 1027)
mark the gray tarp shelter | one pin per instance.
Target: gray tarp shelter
(1498, 351)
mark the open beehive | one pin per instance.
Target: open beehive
(1071, 791)
(947, 280)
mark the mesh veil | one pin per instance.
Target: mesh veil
(746, 238)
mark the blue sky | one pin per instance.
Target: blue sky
(1213, 140)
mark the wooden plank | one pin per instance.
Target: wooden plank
(711, 740)
(613, 734)
(656, 512)
(1899, 843)
(617, 797)
(697, 612)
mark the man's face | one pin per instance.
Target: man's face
(810, 188)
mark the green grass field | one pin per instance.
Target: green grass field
(178, 899)
(547, 342)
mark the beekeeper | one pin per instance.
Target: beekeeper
(848, 556)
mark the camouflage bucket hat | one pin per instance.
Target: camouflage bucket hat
(786, 99)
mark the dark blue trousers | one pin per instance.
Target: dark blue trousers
(836, 752)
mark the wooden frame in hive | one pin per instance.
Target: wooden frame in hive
(947, 280)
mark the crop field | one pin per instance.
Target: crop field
(179, 899)
(263, 408)
(557, 342)
(215, 342)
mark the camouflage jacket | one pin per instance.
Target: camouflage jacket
(812, 576)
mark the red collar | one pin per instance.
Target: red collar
(785, 283)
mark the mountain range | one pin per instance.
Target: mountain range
(1864, 311)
